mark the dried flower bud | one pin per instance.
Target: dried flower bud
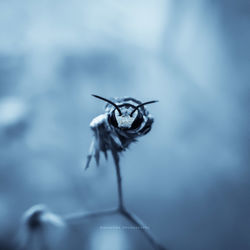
(42, 228)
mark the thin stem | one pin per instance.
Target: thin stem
(119, 180)
(138, 223)
(119, 185)
(78, 217)
(129, 216)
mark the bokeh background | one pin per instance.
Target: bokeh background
(188, 179)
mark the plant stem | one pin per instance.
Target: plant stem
(119, 185)
(120, 210)
(138, 223)
(76, 218)
(129, 216)
(119, 181)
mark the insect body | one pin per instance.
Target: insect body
(124, 120)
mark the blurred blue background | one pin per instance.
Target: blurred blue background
(188, 179)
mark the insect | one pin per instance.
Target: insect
(125, 119)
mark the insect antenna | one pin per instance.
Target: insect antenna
(140, 105)
(106, 100)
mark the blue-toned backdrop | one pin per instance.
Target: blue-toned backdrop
(188, 179)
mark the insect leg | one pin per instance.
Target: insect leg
(90, 154)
